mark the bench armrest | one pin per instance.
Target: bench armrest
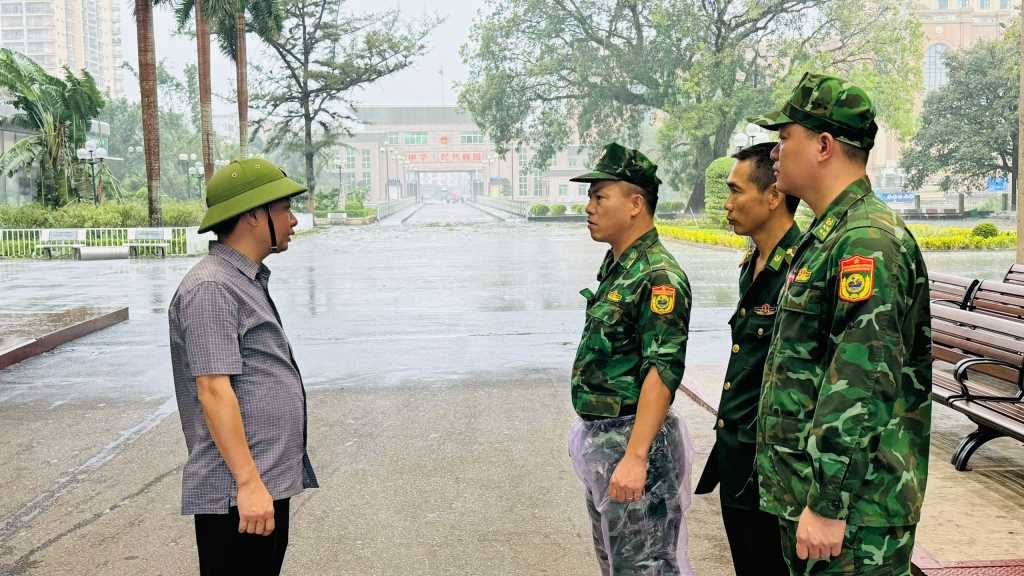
(960, 374)
(958, 303)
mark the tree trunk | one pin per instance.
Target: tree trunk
(241, 75)
(150, 111)
(308, 152)
(205, 90)
(1020, 150)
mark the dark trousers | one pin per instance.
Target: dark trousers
(755, 542)
(223, 551)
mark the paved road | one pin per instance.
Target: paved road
(436, 355)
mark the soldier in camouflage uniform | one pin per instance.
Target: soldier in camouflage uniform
(757, 209)
(632, 454)
(845, 414)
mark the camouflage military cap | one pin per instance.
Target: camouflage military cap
(827, 104)
(626, 165)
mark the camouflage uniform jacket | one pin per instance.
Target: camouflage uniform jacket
(638, 320)
(845, 411)
(731, 462)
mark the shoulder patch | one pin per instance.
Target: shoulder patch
(663, 299)
(856, 278)
(614, 296)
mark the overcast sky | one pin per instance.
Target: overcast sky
(419, 85)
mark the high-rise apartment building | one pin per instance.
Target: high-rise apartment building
(74, 33)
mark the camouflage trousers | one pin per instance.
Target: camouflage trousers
(867, 551)
(646, 537)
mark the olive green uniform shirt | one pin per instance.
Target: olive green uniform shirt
(845, 413)
(637, 320)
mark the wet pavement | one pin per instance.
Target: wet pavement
(436, 355)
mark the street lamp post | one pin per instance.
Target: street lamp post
(91, 155)
(185, 163)
(196, 171)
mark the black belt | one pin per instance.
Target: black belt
(628, 410)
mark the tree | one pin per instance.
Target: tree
(557, 72)
(322, 54)
(969, 126)
(231, 25)
(202, 11)
(59, 111)
(150, 105)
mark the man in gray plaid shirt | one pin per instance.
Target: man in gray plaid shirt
(239, 390)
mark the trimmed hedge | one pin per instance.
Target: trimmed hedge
(110, 215)
(985, 230)
(558, 210)
(539, 210)
(714, 237)
(716, 190)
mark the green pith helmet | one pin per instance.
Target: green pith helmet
(626, 165)
(243, 185)
(827, 104)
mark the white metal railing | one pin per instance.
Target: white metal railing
(386, 209)
(29, 243)
(517, 207)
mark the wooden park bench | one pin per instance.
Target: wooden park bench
(59, 239)
(977, 370)
(1015, 275)
(998, 299)
(157, 240)
(950, 289)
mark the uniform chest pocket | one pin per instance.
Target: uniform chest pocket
(806, 298)
(608, 326)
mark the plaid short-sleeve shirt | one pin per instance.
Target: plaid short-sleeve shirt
(223, 321)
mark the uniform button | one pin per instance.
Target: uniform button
(735, 348)
(743, 311)
(721, 423)
(728, 386)
(760, 331)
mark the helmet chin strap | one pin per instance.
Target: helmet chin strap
(273, 235)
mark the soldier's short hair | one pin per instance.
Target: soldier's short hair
(854, 154)
(762, 173)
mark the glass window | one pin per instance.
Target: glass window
(962, 3)
(365, 180)
(10, 9)
(350, 158)
(415, 138)
(37, 8)
(943, 4)
(522, 184)
(471, 138)
(14, 35)
(582, 188)
(985, 4)
(935, 73)
(1004, 4)
(394, 138)
(563, 190)
(367, 161)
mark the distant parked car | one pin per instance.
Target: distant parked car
(453, 197)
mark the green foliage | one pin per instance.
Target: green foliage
(322, 55)
(716, 190)
(558, 210)
(671, 206)
(88, 215)
(985, 230)
(712, 236)
(540, 71)
(578, 208)
(539, 210)
(982, 93)
(59, 111)
(931, 237)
